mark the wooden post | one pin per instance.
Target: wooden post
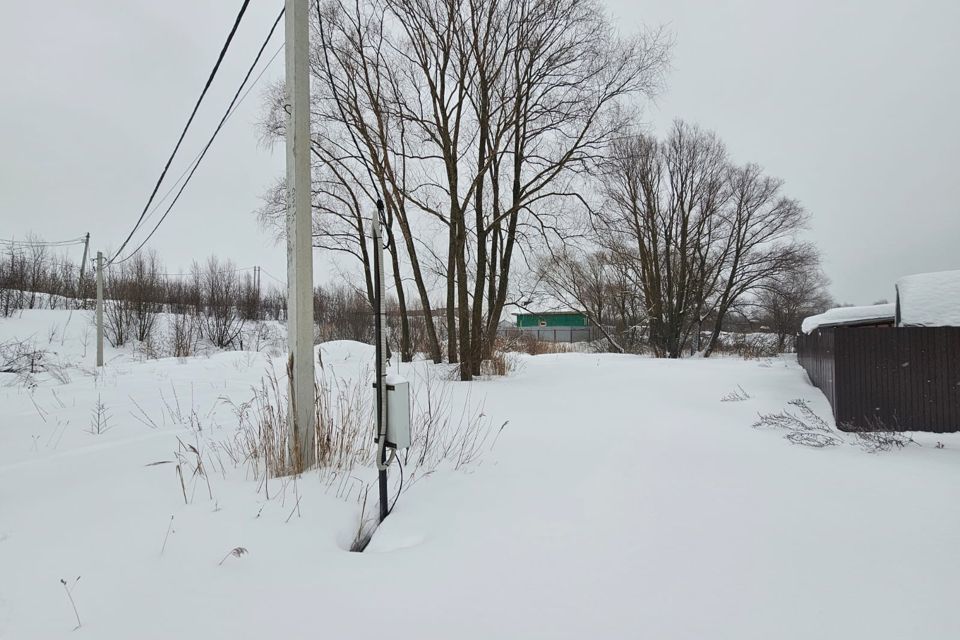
(299, 238)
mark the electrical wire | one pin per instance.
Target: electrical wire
(226, 115)
(271, 276)
(44, 243)
(223, 120)
(196, 107)
(199, 156)
(204, 272)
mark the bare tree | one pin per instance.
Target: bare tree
(760, 229)
(118, 316)
(662, 223)
(698, 236)
(36, 258)
(143, 289)
(220, 291)
(784, 302)
(591, 283)
(478, 120)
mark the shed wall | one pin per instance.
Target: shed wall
(883, 379)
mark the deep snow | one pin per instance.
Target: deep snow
(624, 499)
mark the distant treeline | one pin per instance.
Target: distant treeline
(213, 300)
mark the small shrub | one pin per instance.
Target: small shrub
(877, 441)
(737, 395)
(99, 418)
(803, 426)
(183, 335)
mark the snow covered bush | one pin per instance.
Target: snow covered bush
(25, 359)
(878, 441)
(803, 425)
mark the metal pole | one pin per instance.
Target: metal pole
(299, 238)
(99, 308)
(380, 365)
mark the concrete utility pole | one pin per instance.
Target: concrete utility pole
(299, 237)
(99, 308)
(83, 267)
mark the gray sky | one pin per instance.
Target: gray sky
(854, 104)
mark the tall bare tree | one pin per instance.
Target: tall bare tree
(662, 219)
(786, 300)
(698, 235)
(478, 120)
(760, 228)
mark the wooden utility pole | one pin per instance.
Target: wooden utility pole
(299, 238)
(99, 308)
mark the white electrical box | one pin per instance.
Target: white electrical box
(398, 412)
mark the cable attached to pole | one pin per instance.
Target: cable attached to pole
(383, 463)
(399, 486)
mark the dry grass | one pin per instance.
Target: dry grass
(447, 431)
(504, 360)
(442, 435)
(529, 344)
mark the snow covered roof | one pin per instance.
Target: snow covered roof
(929, 299)
(557, 312)
(850, 316)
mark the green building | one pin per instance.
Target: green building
(551, 320)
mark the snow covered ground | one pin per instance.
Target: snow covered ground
(626, 497)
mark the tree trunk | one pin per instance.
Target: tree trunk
(406, 351)
(451, 298)
(463, 303)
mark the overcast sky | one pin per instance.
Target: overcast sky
(856, 105)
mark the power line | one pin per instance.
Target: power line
(43, 243)
(226, 115)
(199, 155)
(213, 73)
(204, 272)
(273, 277)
